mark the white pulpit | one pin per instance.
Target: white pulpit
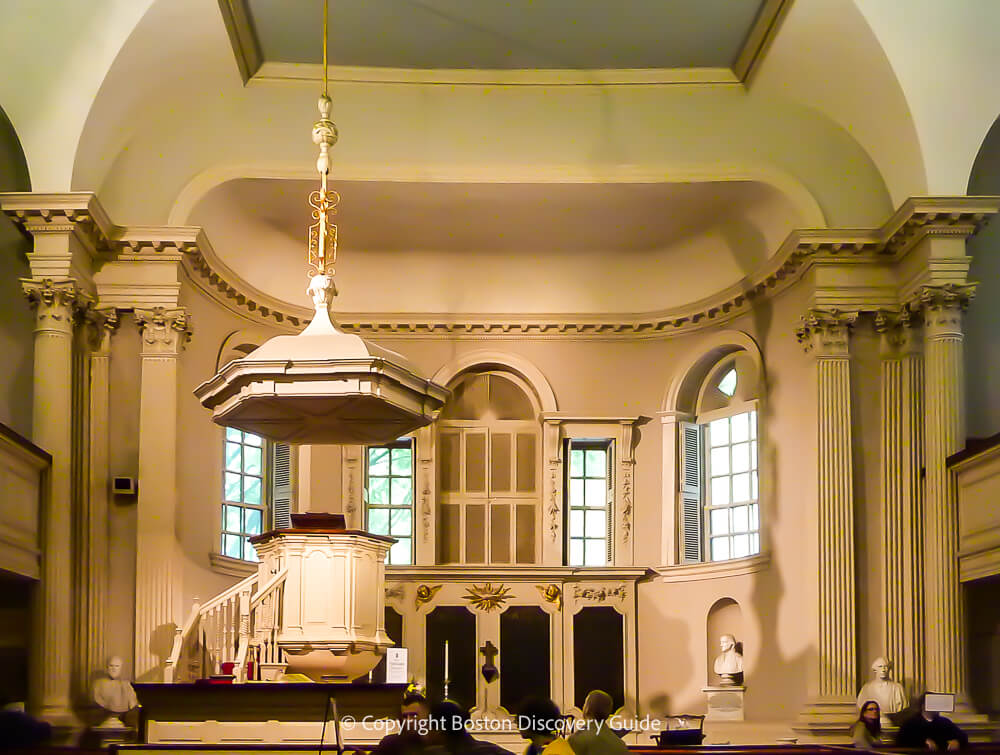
(328, 616)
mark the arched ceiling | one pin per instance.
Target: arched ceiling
(417, 247)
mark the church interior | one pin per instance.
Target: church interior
(661, 357)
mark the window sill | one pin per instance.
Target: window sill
(231, 567)
(713, 569)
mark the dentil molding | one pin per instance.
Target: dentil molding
(917, 219)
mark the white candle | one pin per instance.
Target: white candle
(446, 659)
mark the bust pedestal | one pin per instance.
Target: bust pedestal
(725, 703)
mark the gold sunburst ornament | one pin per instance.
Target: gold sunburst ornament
(487, 597)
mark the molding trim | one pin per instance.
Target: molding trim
(231, 567)
(917, 219)
(713, 569)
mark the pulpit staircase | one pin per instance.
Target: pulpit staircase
(238, 625)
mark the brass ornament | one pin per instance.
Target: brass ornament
(487, 597)
(551, 593)
(425, 594)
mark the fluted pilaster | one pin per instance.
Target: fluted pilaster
(944, 429)
(826, 334)
(164, 333)
(56, 305)
(902, 493)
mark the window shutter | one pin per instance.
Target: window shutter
(281, 485)
(691, 498)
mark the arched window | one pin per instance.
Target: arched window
(719, 477)
(489, 471)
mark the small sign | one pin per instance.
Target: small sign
(395, 666)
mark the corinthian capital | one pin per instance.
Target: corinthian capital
(164, 331)
(899, 330)
(943, 307)
(56, 303)
(826, 332)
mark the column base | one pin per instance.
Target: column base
(827, 718)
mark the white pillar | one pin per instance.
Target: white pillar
(826, 334)
(902, 456)
(55, 303)
(552, 494)
(164, 333)
(93, 557)
(944, 434)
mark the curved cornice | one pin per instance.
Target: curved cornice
(918, 218)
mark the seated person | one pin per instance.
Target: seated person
(18, 729)
(867, 730)
(930, 730)
(540, 722)
(448, 733)
(414, 713)
(597, 738)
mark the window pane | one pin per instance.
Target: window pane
(399, 552)
(740, 425)
(400, 522)
(402, 491)
(720, 461)
(718, 431)
(576, 493)
(596, 553)
(251, 490)
(754, 521)
(576, 523)
(753, 486)
(234, 484)
(233, 434)
(233, 457)
(253, 521)
(378, 491)
(741, 487)
(378, 461)
(597, 523)
(576, 463)
(719, 521)
(597, 492)
(741, 546)
(597, 462)
(576, 552)
(728, 383)
(741, 519)
(754, 543)
(753, 424)
(741, 457)
(251, 440)
(753, 455)
(231, 518)
(252, 461)
(231, 545)
(720, 491)
(720, 548)
(402, 460)
(249, 554)
(378, 521)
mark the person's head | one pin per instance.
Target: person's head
(414, 711)
(871, 716)
(598, 705)
(930, 715)
(881, 667)
(447, 722)
(114, 667)
(727, 642)
(539, 720)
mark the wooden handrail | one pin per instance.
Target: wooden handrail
(277, 580)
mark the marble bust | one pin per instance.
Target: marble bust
(887, 693)
(113, 694)
(729, 663)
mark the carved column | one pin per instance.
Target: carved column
(56, 304)
(944, 434)
(93, 560)
(902, 459)
(826, 334)
(164, 333)
(552, 494)
(424, 523)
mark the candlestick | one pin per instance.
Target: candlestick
(446, 679)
